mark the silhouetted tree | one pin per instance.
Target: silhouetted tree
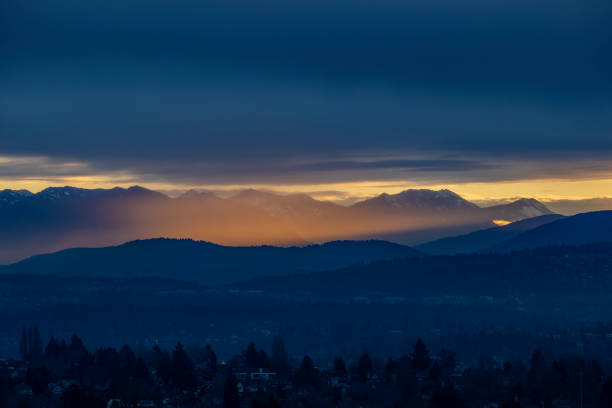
(107, 359)
(364, 367)
(606, 394)
(52, 349)
(447, 360)
(210, 358)
(231, 397)
(280, 357)
(446, 397)
(163, 364)
(339, 367)
(406, 378)
(23, 345)
(30, 345)
(183, 370)
(263, 361)
(76, 344)
(537, 363)
(273, 402)
(420, 356)
(38, 378)
(140, 369)
(435, 373)
(77, 397)
(250, 356)
(307, 374)
(36, 348)
(128, 359)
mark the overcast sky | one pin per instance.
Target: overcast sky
(306, 94)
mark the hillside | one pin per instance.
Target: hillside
(483, 239)
(579, 229)
(548, 273)
(204, 262)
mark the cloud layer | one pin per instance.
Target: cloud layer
(210, 93)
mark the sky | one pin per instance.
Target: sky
(342, 99)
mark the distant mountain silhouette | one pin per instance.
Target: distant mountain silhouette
(10, 197)
(517, 210)
(573, 207)
(204, 262)
(418, 201)
(65, 217)
(483, 239)
(448, 204)
(579, 229)
(415, 216)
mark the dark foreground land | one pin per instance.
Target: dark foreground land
(67, 374)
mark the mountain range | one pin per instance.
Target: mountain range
(213, 264)
(64, 217)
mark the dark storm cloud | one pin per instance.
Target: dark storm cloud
(213, 90)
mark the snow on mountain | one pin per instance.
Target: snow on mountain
(10, 197)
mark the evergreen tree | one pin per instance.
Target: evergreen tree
(37, 345)
(183, 370)
(23, 345)
(30, 341)
(537, 363)
(420, 356)
(263, 361)
(140, 369)
(445, 397)
(435, 373)
(107, 359)
(210, 358)
(307, 373)
(231, 396)
(128, 359)
(250, 356)
(364, 367)
(447, 360)
(163, 364)
(76, 344)
(38, 378)
(339, 367)
(280, 357)
(606, 394)
(273, 402)
(52, 348)
(390, 369)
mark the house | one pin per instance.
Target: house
(145, 404)
(561, 404)
(23, 389)
(262, 375)
(115, 403)
(56, 389)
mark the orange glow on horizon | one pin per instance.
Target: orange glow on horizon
(543, 190)
(344, 192)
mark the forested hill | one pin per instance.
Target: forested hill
(205, 262)
(555, 271)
